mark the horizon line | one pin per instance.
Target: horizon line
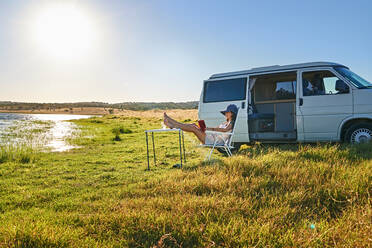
(2, 101)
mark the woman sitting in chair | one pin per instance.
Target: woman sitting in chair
(208, 138)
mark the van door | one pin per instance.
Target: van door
(273, 104)
(325, 101)
(217, 94)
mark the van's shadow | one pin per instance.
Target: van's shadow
(311, 151)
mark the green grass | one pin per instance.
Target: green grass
(17, 153)
(101, 195)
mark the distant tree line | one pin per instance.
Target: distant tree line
(8, 105)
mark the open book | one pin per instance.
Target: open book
(202, 125)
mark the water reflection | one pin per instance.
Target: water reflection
(48, 130)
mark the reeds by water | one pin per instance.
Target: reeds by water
(22, 153)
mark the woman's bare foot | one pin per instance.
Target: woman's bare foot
(165, 119)
(167, 122)
(166, 116)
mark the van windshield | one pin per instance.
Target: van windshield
(358, 81)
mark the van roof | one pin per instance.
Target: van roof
(275, 68)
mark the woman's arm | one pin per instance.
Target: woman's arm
(218, 129)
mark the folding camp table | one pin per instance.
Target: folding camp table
(181, 142)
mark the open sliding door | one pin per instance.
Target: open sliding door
(272, 107)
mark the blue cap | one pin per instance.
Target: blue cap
(231, 108)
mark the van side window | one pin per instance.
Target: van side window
(225, 90)
(271, 87)
(317, 83)
(285, 90)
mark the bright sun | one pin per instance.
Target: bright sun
(64, 31)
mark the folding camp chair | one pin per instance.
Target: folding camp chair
(218, 136)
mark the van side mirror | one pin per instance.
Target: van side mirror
(341, 87)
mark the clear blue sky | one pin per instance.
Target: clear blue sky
(162, 50)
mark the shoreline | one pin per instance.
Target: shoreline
(44, 113)
(180, 114)
(67, 111)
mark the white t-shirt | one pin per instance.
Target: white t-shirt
(221, 138)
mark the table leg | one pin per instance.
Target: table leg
(179, 139)
(183, 144)
(153, 148)
(147, 147)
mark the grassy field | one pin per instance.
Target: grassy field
(101, 195)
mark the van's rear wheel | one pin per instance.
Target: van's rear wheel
(359, 133)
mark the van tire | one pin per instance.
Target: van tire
(233, 151)
(359, 133)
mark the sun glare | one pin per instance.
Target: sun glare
(64, 31)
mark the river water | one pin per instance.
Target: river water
(47, 130)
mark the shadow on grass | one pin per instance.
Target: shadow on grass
(318, 152)
(204, 163)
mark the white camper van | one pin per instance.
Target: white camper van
(307, 102)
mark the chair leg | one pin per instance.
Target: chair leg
(227, 149)
(210, 153)
(227, 152)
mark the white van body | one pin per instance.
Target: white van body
(310, 102)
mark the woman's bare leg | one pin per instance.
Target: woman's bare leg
(184, 127)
